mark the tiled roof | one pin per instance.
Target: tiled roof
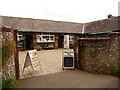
(105, 25)
(38, 25)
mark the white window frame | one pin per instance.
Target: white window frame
(44, 40)
(20, 37)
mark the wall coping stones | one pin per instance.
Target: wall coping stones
(93, 39)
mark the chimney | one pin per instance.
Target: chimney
(110, 16)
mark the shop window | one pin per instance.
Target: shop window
(20, 45)
(20, 37)
(45, 38)
(71, 38)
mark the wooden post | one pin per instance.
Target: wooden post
(56, 41)
(76, 52)
(16, 56)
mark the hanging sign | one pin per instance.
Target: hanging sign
(66, 41)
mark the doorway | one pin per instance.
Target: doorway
(28, 41)
(60, 41)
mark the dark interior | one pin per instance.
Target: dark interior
(28, 41)
(60, 41)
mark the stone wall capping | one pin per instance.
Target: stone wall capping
(115, 33)
(93, 38)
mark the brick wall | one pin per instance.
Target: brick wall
(95, 54)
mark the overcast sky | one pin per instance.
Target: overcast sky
(81, 11)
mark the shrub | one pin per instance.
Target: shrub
(51, 44)
(114, 71)
(45, 45)
(9, 83)
(7, 50)
(39, 48)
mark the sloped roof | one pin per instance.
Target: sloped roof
(39, 25)
(105, 25)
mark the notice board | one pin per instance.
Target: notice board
(68, 60)
(31, 60)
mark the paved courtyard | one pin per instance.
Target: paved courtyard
(69, 79)
(51, 75)
(50, 62)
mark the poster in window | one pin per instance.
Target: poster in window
(66, 41)
(38, 38)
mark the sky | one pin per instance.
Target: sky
(81, 11)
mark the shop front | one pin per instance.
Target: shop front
(30, 41)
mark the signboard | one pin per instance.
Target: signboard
(31, 60)
(68, 59)
(68, 62)
(66, 41)
(20, 45)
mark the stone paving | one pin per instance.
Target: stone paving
(50, 62)
(51, 74)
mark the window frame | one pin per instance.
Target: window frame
(43, 40)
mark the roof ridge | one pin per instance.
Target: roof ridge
(102, 20)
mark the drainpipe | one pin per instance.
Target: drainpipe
(83, 29)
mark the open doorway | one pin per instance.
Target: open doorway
(28, 41)
(60, 41)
